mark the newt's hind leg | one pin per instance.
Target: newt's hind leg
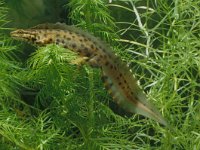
(95, 61)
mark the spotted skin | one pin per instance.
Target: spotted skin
(116, 76)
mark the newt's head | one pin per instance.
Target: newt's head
(25, 35)
(33, 36)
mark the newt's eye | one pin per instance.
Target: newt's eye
(33, 39)
(20, 31)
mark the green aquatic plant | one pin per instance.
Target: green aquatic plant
(48, 103)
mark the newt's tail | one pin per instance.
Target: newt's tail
(124, 89)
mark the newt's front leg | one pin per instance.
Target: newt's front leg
(79, 61)
(93, 61)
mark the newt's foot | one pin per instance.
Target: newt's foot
(79, 61)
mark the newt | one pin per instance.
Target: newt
(117, 77)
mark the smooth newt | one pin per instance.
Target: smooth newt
(116, 75)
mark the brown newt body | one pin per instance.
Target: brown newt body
(116, 75)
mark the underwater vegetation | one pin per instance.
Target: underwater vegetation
(47, 102)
